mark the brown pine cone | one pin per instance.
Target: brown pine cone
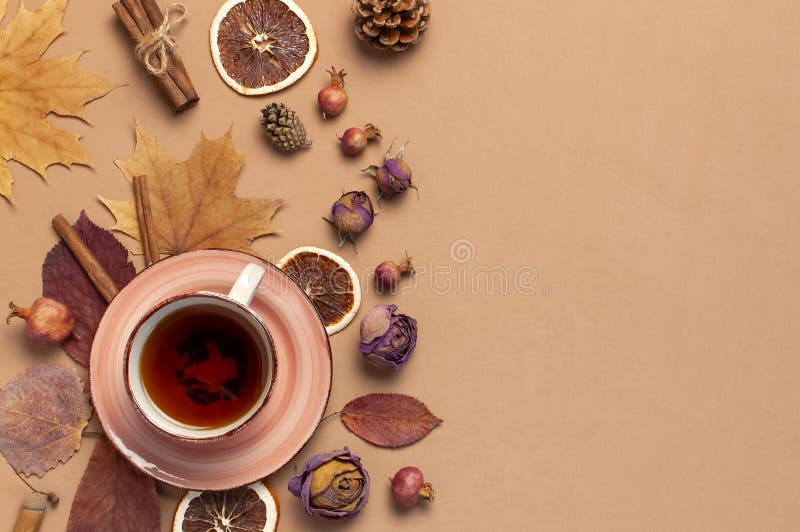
(391, 24)
(284, 127)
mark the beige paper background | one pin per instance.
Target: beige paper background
(640, 156)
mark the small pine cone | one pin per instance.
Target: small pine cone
(391, 24)
(284, 127)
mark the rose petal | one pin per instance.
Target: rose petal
(376, 322)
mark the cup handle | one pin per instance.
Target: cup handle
(246, 284)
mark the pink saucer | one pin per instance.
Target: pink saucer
(298, 398)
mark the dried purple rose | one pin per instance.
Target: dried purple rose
(393, 177)
(334, 485)
(387, 339)
(351, 214)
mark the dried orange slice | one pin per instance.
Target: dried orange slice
(262, 46)
(252, 508)
(328, 281)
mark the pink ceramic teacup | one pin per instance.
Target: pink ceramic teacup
(233, 307)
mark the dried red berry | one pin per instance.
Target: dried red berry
(388, 274)
(409, 486)
(333, 99)
(354, 140)
(47, 321)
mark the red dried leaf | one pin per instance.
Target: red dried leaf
(389, 419)
(114, 495)
(42, 415)
(64, 280)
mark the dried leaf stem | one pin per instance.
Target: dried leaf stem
(330, 416)
(27, 483)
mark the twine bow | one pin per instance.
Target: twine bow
(159, 43)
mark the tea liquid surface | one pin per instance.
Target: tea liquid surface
(202, 367)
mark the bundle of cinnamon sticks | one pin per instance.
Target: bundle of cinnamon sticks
(140, 18)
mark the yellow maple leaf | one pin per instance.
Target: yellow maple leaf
(31, 87)
(193, 202)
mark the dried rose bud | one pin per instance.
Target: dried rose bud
(47, 321)
(393, 177)
(351, 214)
(334, 485)
(387, 339)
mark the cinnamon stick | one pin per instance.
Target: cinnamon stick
(175, 82)
(97, 274)
(144, 213)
